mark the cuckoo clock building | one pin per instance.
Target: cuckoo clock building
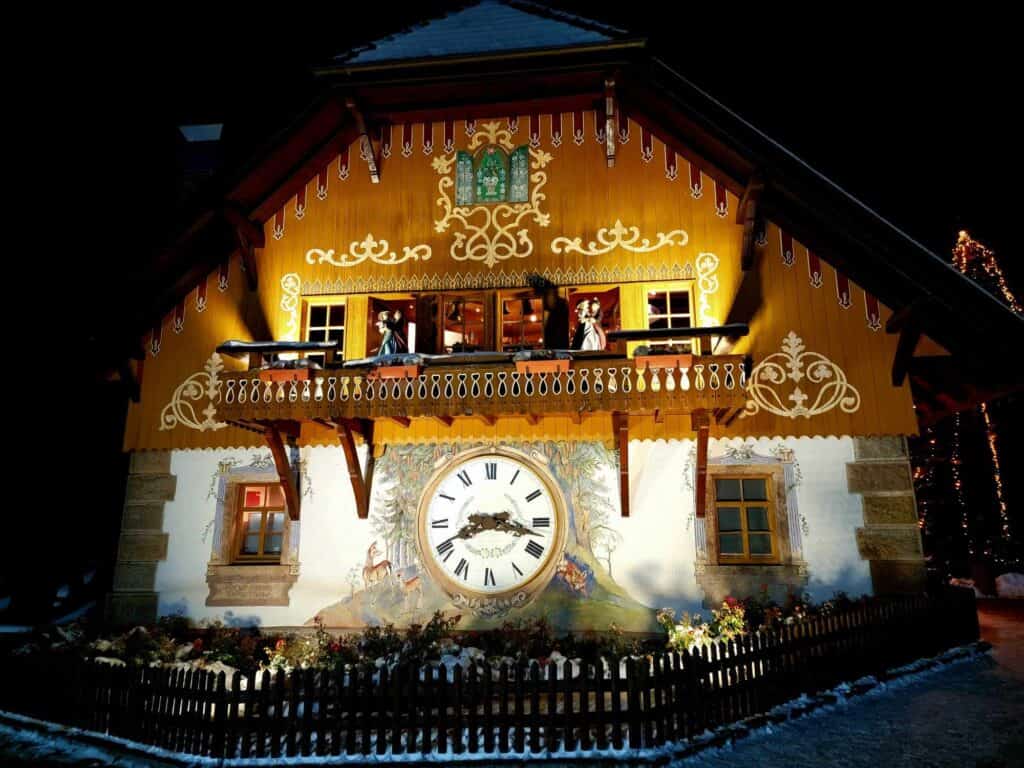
(532, 326)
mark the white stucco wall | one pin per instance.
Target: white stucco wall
(654, 561)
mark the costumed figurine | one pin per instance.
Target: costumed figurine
(589, 335)
(391, 341)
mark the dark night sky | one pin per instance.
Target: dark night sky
(911, 115)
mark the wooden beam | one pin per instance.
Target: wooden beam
(747, 217)
(490, 421)
(365, 143)
(129, 380)
(610, 122)
(446, 420)
(402, 421)
(272, 434)
(620, 426)
(533, 419)
(910, 335)
(701, 423)
(250, 237)
(360, 487)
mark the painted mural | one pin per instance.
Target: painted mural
(390, 585)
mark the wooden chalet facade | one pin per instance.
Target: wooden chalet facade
(742, 429)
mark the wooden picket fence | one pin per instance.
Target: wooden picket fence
(529, 708)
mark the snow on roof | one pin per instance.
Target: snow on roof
(488, 26)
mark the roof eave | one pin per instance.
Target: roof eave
(413, 67)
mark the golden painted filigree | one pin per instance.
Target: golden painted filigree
(290, 288)
(370, 248)
(619, 236)
(796, 364)
(707, 284)
(491, 233)
(181, 409)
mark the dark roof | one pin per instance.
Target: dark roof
(488, 26)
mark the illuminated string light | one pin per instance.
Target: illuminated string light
(958, 484)
(990, 433)
(970, 257)
(979, 263)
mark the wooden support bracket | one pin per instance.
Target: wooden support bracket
(746, 217)
(366, 150)
(272, 434)
(701, 423)
(610, 122)
(361, 479)
(250, 237)
(620, 425)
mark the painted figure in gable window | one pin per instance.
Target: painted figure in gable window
(589, 335)
(389, 323)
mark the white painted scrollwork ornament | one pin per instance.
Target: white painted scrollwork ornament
(491, 233)
(290, 287)
(707, 283)
(204, 384)
(795, 363)
(619, 236)
(378, 251)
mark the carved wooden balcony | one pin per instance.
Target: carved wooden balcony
(452, 387)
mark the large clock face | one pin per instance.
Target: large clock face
(491, 523)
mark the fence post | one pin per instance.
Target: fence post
(535, 706)
(503, 692)
(616, 672)
(633, 704)
(599, 716)
(457, 710)
(473, 696)
(396, 708)
(381, 705)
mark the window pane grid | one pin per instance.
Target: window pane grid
(669, 309)
(325, 322)
(745, 530)
(261, 522)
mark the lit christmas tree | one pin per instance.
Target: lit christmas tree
(958, 466)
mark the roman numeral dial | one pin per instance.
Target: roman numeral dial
(490, 524)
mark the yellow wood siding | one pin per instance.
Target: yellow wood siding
(582, 196)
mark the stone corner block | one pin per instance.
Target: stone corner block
(148, 516)
(890, 542)
(142, 546)
(885, 447)
(142, 488)
(890, 510)
(878, 476)
(135, 577)
(890, 577)
(150, 463)
(131, 608)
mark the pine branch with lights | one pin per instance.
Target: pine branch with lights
(958, 474)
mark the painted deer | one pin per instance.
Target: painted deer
(374, 573)
(412, 590)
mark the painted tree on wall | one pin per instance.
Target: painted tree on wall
(404, 471)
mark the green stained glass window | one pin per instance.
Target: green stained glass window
(519, 164)
(464, 179)
(492, 176)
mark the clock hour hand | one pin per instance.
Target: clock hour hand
(505, 523)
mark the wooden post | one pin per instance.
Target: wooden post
(360, 484)
(701, 423)
(284, 472)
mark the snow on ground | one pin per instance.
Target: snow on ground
(968, 714)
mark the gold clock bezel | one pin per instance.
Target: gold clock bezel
(543, 575)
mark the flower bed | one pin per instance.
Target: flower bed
(174, 641)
